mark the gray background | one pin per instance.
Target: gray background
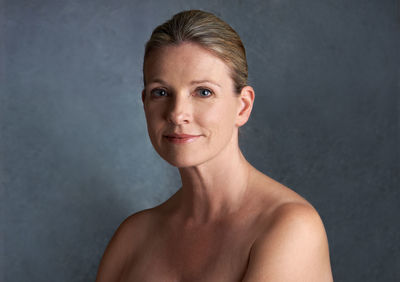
(75, 159)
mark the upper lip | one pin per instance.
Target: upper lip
(180, 135)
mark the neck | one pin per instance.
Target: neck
(214, 189)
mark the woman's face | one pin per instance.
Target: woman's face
(190, 105)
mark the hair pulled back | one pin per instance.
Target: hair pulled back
(208, 31)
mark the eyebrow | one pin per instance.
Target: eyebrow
(158, 80)
(205, 81)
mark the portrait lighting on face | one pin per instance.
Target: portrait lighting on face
(191, 107)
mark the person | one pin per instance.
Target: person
(228, 221)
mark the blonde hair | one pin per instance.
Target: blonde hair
(208, 31)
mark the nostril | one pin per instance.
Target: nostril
(179, 112)
(178, 117)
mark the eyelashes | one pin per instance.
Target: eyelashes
(201, 92)
(204, 92)
(158, 92)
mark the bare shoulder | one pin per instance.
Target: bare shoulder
(126, 239)
(129, 240)
(292, 245)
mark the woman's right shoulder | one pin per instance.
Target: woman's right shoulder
(126, 240)
(138, 221)
(134, 229)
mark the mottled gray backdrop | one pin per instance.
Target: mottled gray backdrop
(75, 158)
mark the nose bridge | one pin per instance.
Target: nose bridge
(180, 108)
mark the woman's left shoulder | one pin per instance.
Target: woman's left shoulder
(280, 200)
(285, 211)
(297, 217)
(292, 240)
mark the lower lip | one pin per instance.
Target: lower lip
(181, 140)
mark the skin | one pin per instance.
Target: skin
(228, 221)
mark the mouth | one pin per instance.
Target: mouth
(181, 138)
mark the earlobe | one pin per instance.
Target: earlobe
(246, 104)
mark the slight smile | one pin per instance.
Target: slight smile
(181, 138)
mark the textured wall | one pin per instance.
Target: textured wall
(75, 159)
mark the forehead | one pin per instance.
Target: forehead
(186, 61)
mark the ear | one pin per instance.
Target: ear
(143, 95)
(246, 101)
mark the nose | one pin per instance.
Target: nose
(180, 110)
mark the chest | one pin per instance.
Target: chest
(207, 255)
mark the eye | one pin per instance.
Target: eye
(204, 92)
(158, 92)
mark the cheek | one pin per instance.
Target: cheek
(153, 114)
(153, 123)
(216, 117)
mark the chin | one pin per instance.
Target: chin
(181, 162)
(182, 159)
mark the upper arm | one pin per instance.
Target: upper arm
(118, 250)
(294, 247)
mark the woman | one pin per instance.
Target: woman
(228, 221)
